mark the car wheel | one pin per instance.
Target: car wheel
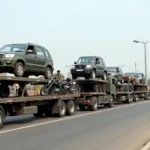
(19, 69)
(105, 76)
(73, 77)
(48, 73)
(93, 74)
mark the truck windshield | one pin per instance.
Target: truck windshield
(13, 48)
(82, 60)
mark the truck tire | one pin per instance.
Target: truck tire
(146, 96)
(135, 98)
(74, 77)
(62, 109)
(94, 104)
(81, 107)
(4, 90)
(70, 107)
(1, 119)
(111, 102)
(129, 99)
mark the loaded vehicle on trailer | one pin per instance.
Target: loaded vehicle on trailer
(116, 72)
(26, 59)
(134, 77)
(89, 67)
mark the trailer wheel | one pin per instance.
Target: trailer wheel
(70, 107)
(4, 90)
(146, 96)
(81, 107)
(94, 103)
(129, 99)
(111, 102)
(1, 119)
(135, 98)
(62, 109)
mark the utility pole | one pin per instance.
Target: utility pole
(135, 67)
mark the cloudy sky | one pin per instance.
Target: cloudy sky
(73, 28)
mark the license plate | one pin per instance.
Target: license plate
(79, 70)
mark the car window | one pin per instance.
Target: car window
(100, 61)
(39, 51)
(46, 53)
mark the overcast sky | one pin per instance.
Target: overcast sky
(73, 28)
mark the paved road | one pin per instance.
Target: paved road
(125, 128)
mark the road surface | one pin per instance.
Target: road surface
(125, 127)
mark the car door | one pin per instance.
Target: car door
(31, 59)
(41, 58)
(97, 65)
(102, 67)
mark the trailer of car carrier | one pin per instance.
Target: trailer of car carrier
(23, 104)
(129, 92)
(95, 92)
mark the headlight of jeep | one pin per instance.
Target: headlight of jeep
(9, 55)
(88, 66)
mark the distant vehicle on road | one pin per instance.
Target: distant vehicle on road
(132, 76)
(26, 59)
(116, 72)
(89, 67)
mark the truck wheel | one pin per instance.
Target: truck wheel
(48, 73)
(135, 98)
(129, 99)
(62, 109)
(19, 69)
(111, 102)
(94, 103)
(146, 96)
(81, 107)
(70, 107)
(74, 77)
(4, 90)
(1, 119)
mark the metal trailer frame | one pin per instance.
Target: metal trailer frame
(93, 93)
(24, 104)
(132, 92)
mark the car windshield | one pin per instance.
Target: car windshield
(139, 74)
(13, 48)
(82, 60)
(112, 69)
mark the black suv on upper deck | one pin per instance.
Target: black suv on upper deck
(26, 59)
(89, 67)
(116, 72)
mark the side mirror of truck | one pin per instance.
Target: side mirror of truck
(75, 62)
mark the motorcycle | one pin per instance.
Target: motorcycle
(52, 87)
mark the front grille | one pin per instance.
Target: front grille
(1, 55)
(80, 66)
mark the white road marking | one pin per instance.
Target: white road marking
(146, 146)
(67, 118)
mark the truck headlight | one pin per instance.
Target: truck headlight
(112, 74)
(9, 55)
(88, 66)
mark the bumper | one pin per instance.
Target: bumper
(6, 64)
(81, 72)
